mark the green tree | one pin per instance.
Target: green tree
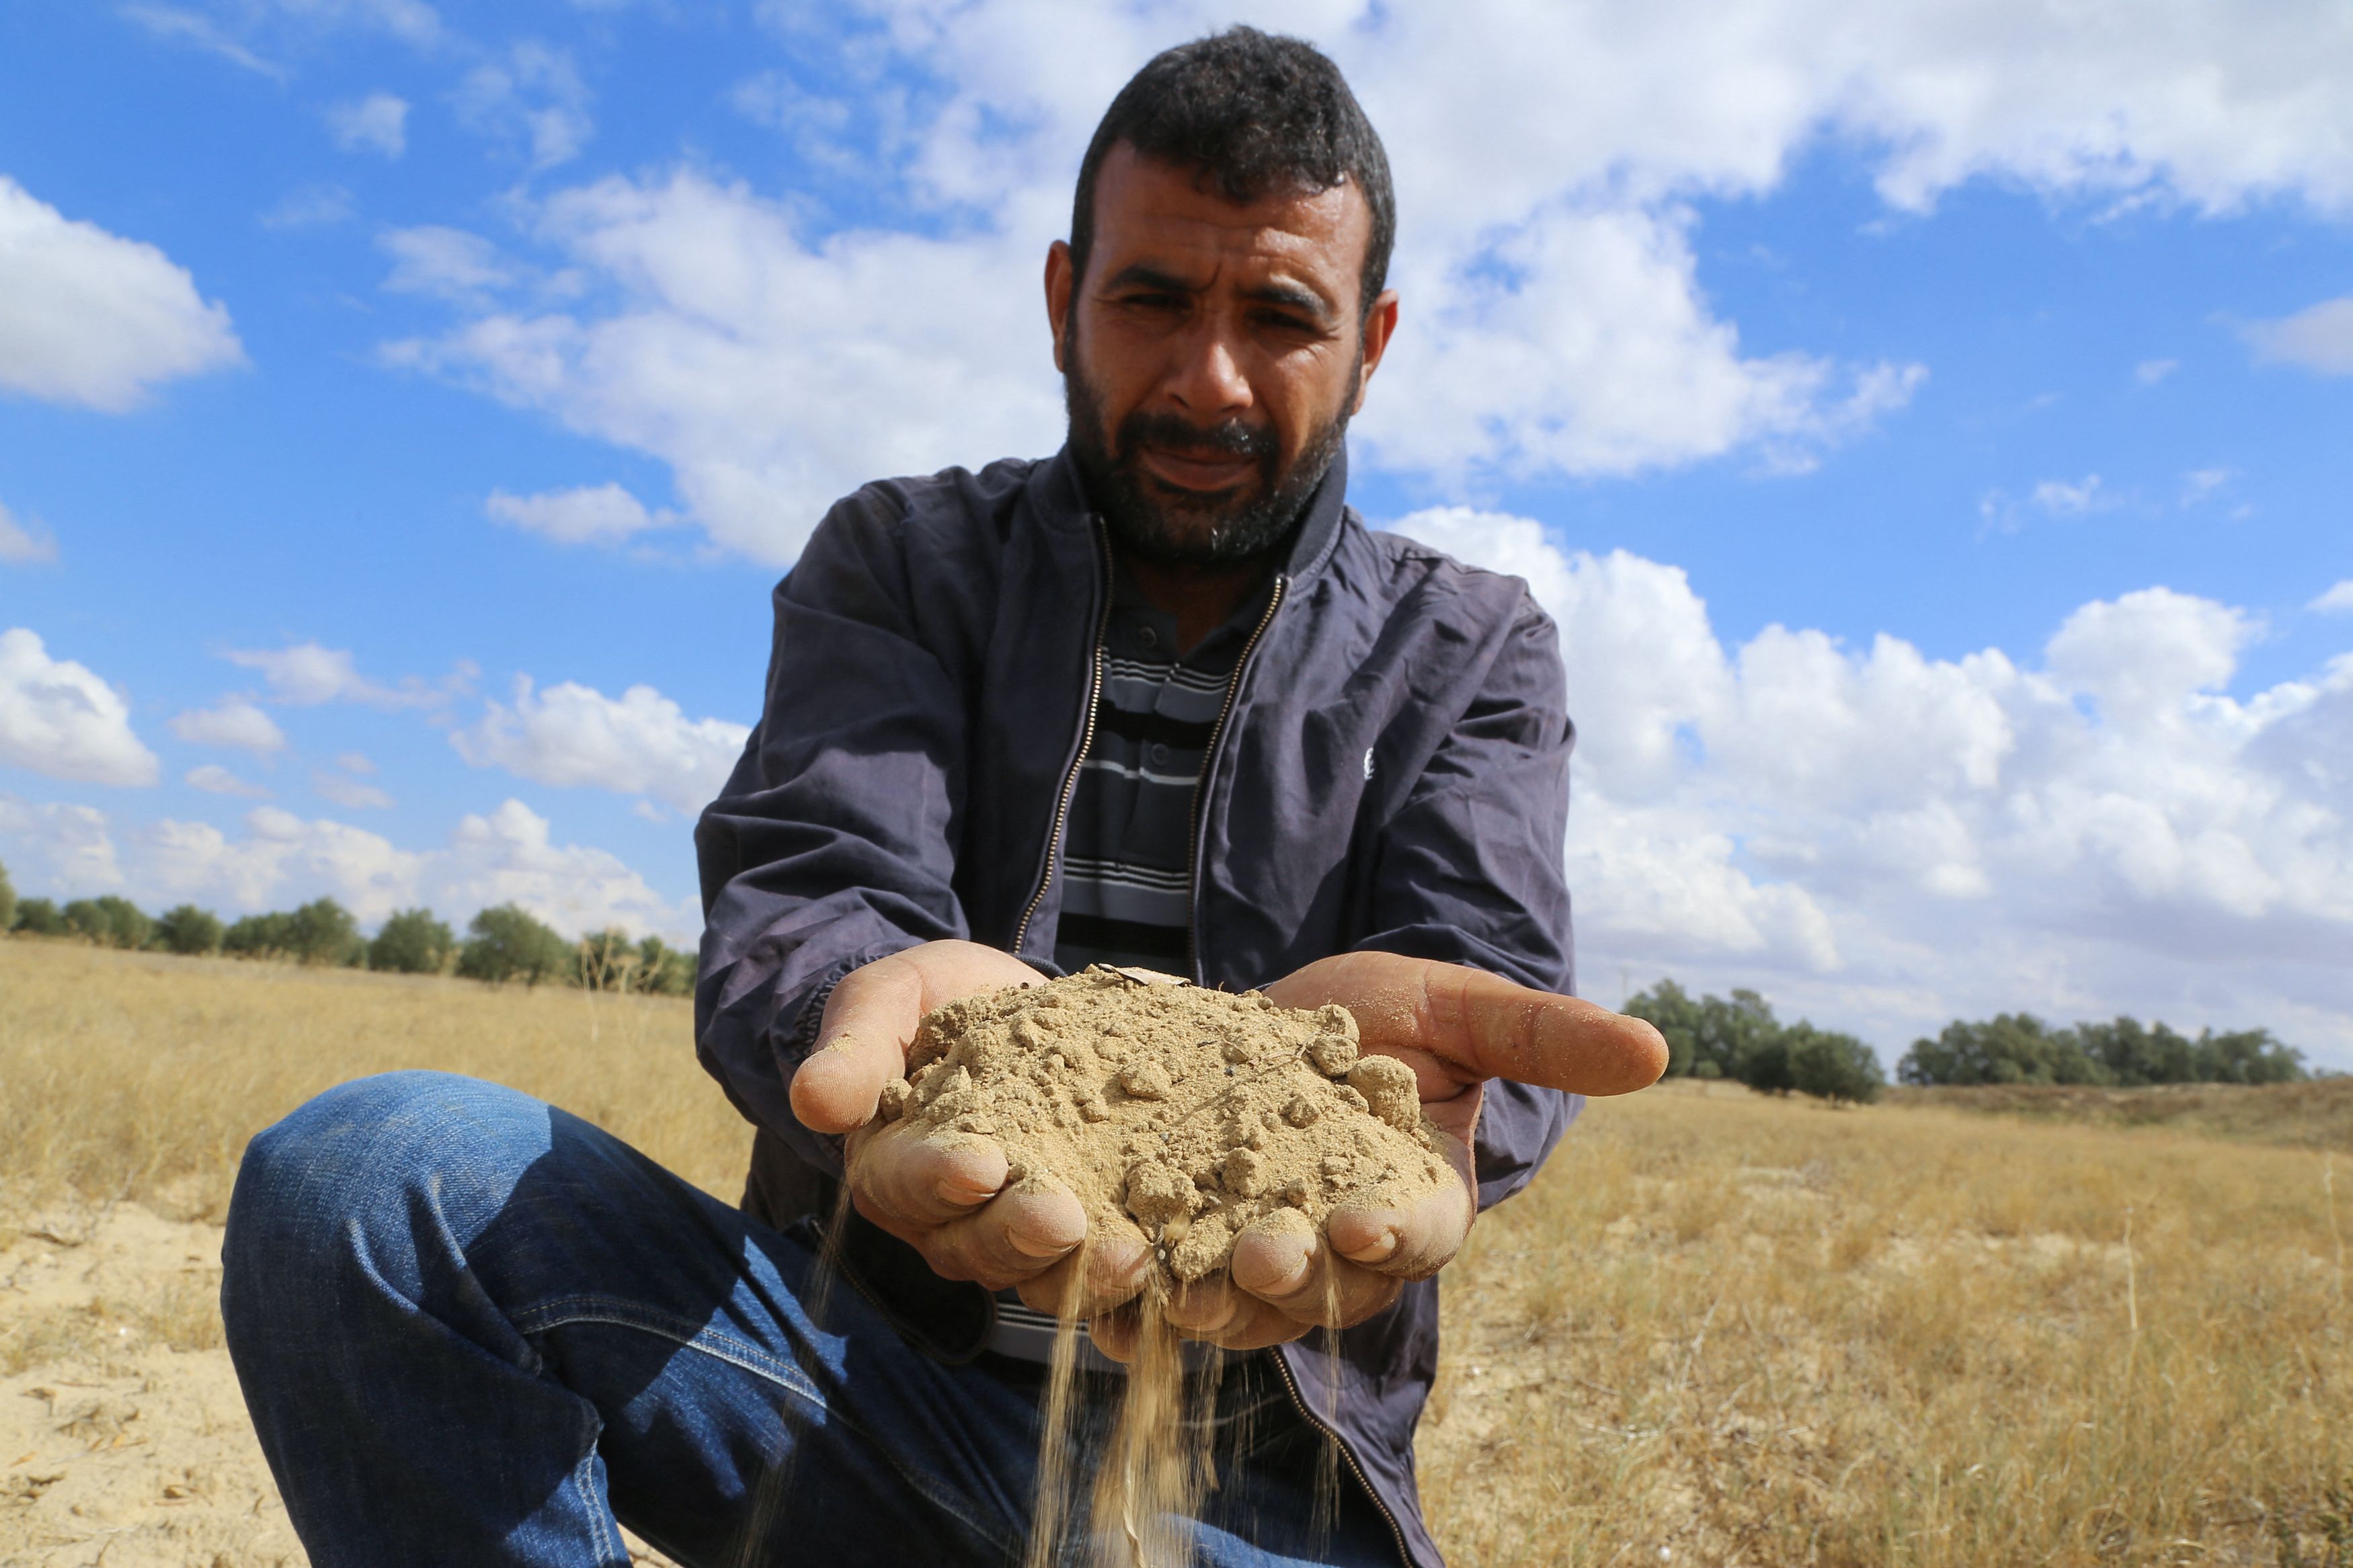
(2012, 1047)
(189, 929)
(2248, 1056)
(607, 961)
(1830, 1066)
(506, 942)
(109, 922)
(665, 970)
(412, 942)
(1712, 1036)
(258, 936)
(323, 932)
(7, 901)
(40, 917)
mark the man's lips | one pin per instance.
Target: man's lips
(1197, 470)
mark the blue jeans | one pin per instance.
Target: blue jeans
(472, 1328)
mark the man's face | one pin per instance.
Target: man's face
(1212, 355)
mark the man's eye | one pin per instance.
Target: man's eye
(1154, 302)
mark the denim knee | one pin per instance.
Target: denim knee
(318, 1183)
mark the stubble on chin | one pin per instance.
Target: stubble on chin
(1162, 524)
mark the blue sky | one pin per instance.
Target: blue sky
(1929, 424)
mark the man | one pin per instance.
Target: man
(1159, 699)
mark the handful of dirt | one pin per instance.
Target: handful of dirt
(1180, 1114)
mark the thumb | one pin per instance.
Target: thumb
(870, 1021)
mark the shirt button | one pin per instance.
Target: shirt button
(1159, 755)
(1148, 637)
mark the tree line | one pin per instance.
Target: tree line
(506, 942)
(1738, 1038)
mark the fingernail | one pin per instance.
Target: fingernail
(1030, 1248)
(1377, 1252)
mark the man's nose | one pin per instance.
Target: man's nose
(1206, 380)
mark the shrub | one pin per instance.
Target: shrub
(665, 970)
(258, 936)
(506, 942)
(1738, 1038)
(2017, 1047)
(323, 932)
(109, 922)
(40, 917)
(412, 942)
(189, 929)
(607, 961)
(7, 901)
(1831, 1066)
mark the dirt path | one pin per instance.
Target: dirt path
(123, 1439)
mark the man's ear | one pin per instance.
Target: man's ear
(1379, 323)
(1059, 280)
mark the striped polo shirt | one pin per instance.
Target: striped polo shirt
(1127, 854)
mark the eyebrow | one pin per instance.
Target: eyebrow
(1290, 296)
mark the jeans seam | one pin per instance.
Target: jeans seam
(565, 1310)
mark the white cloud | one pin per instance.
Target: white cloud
(1886, 840)
(308, 207)
(90, 318)
(231, 722)
(2062, 498)
(2150, 371)
(2337, 600)
(59, 719)
(600, 514)
(754, 360)
(376, 124)
(2200, 484)
(354, 763)
(306, 674)
(1548, 160)
(2318, 338)
(443, 263)
(57, 848)
(507, 856)
(23, 541)
(639, 743)
(234, 29)
(532, 97)
(215, 778)
(280, 859)
(350, 792)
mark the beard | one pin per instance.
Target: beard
(1168, 528)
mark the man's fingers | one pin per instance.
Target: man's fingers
(907, 1182)
(861, 1045)
(1292, 1270)
(1106, 1275)
(1472, 1024)
(1015, 1236)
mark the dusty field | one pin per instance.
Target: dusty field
(2314, 1115)
(1721, 1330)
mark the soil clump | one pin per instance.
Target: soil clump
(1181, 1114)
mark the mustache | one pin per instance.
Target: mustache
(1172, 433)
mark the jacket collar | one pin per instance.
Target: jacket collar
(1063, 502)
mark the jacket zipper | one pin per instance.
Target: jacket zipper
(1299, 1403)
(1086, 744)
(1210, 767)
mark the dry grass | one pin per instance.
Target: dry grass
(1746, 1331)
(1756, 1330)
(2314, 1115)
(141, 1076)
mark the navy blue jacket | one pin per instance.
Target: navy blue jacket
(1393, 774)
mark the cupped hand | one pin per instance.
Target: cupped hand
(946, 1197)
(1456, 1028)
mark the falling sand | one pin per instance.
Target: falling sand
(1180, 1118)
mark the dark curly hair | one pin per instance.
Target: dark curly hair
(1255, 113)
